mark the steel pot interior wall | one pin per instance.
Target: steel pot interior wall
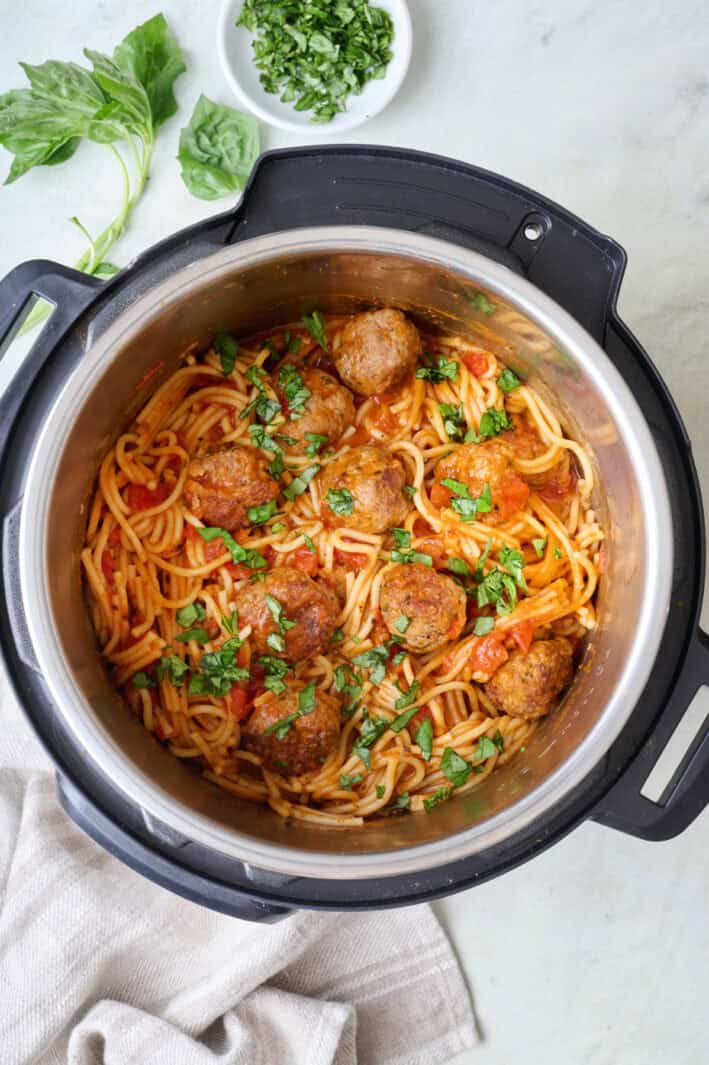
(245, 291)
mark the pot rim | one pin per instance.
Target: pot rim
(137, 786)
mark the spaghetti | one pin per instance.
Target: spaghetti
(164, 591)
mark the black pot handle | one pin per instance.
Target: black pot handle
(687, 793)
(167, 872)
(369, 185)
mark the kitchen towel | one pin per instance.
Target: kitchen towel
(98, 966)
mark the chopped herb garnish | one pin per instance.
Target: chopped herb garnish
(445, 370)
(406, 557)
(279, 526)
(485, 749)
(410, 490)
(174, 668)
(371, 728)
(453, 420)
(513, 562)
(315, 442)
(457, 565)
(407, 697)
(187, 615)
(349, 684)
(306, 705)
(299, 483)
(483, 626)
(340, 501)
(291, 385)
(472, 437)
(466, 505)
(557, 552)
(292, 343)
(263, 513)
(275, 670)
(539, 544)
(141, 679)
(398, 658)
(380, 791)
(403, 720)
(348, 780)
(402, 537)
(402, 623)
(508, 380)
(400, 803)
(498, 740)
(315, 324)
(276, 642)
(226, 348)
(308, 543)
(494, 421)
(247, 556)
(481, 303)
(337, 636)
(438, 796)
(276, 611)
(454, 767)
(499, 589)
(375, 661)
(424, 738)
(198, 634)
(218, 671)
(231, 624)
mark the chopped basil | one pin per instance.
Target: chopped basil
(308, 543)
(141, 679)
(494, 421)
(276, 611)
(340, 501)
(508, 380)
(402, 537)
(482, 560)
(337, 636)
(371, 728)
(446, 370)
(291, 385)
(198, 634)
(231, 624)
(265, 408)
(380, 791)
(174, 668)
(457, 565)
(498, 740)
(315, 442)
(402, 623)
(438, 796)
(557, 552)
(279, 526)
(407, 697)
(218, 672)
(263, 513)
(513, 562)
(275, 670)
(292, 343)
(481, 303)
(467, 506)
(247, 556)
(453, 420)
(424, 738)
(398, 658)
(348, 780)
(306, 705)
(400, 803)
(315, 325)
(485, 749)
(497, 588)
(455, 768)
(539, 544)
(411, 556)
(299, 483)
(276, 642)
(472, 437)
(375, 661)
(483, 626)
(402, 720)
(187, 615)
(226, 348)
(410, 490)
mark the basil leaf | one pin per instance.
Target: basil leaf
(498, 740)
(380, 791)
(438, 796)
(315, 442)
(406, 557)
(315, 324)
(231, 624)
(226, 348)
(402, 720)
(151, 55)
(407, 697)
(424, 738)
(141, 679)
(263, 513)
(217, 150)
(375, 661)
(453, 420)
(348, 780)
(410, 490)
(402, 623)
(445, 370)
(174, 668)
(494, 422)
(557, 552)
(513, 562)
(402, 537)
(340, 501)
(198, 634)
(457, 565)
(400, 803)
(455, 768)
(291, 384)
(483, 626)
(299, 483)
(245, 555)
(508, 380)
(485, 749)
(481, 303)
(187, 615)
(539, 544)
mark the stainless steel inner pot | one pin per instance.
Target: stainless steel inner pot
(272, 280)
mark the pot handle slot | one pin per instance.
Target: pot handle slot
(625, 807)
(368, 185)
(168, 873)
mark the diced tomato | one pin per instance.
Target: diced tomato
(456, 628)
(488, 655)
(440, 495)
(512, 497)
(522, 635)
(351, 561)
(237, 570)
(476, 362)
(139, 497)
(359, 437)
(114, 537)
(107, 565)
(305, 560)
(237, 703)
(383, 418)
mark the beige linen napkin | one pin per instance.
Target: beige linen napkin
(98, 966)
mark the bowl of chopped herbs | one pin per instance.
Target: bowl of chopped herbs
(315, 65)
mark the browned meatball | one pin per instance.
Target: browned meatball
(528, 684)
(328, 411)
(311, 605)
(224, 482)
(377, 351)
(490, 462)
(363, 489)
(303, 746)
(432, 603)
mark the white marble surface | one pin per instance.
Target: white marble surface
(595, 953)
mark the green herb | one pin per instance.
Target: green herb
(315, 442)
(438, 796)
(174, 668)
(371, 728)
(424, 738)
(122, 100)
(402, 623)
(226, 348)
(494, 421)
(497, 588)
(410, 490)
(485, 749)
(278, 527)
(306, 705)
(483, 626)
(402, 537)
(375, 661)
(481, 303)
(380, 791)
(407, 557)
(467, 506)
(308, 543)
(498, 740)
(247, 556)
(291, 385)
(348, 780)
(315, 324)
(263, 513)
(482, 560)
(513, 562)
(557, 552)
(340, 501)
(400, 803)
(187, 615)
(299, 483)
(406, 698)
(457, 565)
(292, 343)
(231, 624)
(453, 420)
(539, 544)
(337, 636)
(403, 720)
(262, 405)
(445, 370)
(275, 670)
(142, 680)
(398, 658)
(218, 671)
(508, 380)
(276, 611)
(315, 54)
(217, 149)
(472, 437)
(454, 767)
(276, 642)
(198, 634)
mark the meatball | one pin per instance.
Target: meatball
(223, 483)
(432, 603)
(306, 744)
(528, 684)
(476, 465)
(377, 351)
(328, 411)
(363, 489)
(310, 605)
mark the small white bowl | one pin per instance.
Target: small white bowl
(236, 58)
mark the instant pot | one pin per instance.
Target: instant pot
(343, 228)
